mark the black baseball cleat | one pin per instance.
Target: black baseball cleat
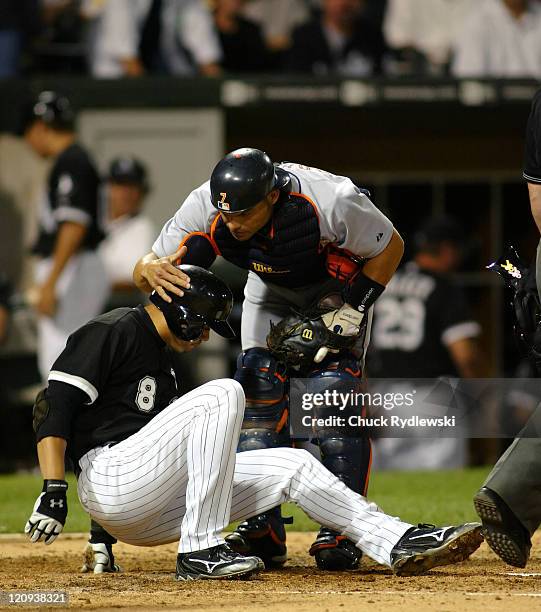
(264, 536)
(334, 552)
(503, 531)
(216, 563)
(426, 546)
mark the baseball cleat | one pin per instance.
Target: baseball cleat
(216, 563)
(334, 552)
(99, 558)
(503, 531)
(426, 546)
(264, 536)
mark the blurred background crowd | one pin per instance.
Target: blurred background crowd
(449, 179)
(130, 38)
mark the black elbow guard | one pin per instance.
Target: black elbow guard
(50, 418)
(201, 250)
(40, 410)
(363, 292)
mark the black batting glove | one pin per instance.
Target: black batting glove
(50, 510)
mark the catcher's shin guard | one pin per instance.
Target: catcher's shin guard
(335, 552)
(345, 451)
(266, 414)
(264, 536)
(265, 426)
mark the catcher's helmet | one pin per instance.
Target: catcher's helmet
(208, 301)
(54, 109)
(128, 170)
(243, 178)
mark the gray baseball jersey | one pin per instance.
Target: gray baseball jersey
(320, 211)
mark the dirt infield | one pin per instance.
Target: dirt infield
(480, 584)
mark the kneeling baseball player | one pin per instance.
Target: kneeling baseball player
(155, 468)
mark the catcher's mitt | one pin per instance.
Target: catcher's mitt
(296, 339)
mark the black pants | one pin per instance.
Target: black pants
(516, 478)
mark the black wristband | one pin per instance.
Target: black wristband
(363, 292)
(55, 486)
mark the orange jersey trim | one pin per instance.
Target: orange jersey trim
(305, 197)
(283, 420)
(213, 231)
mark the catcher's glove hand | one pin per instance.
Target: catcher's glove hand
(344, 321)
(50, 510)
(297, 339)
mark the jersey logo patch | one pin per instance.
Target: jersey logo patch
(379, 236)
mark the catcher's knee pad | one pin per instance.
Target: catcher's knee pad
(345, 448)
(264, 382)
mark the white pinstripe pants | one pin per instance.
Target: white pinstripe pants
(176, 479)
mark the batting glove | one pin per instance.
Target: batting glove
(344, 321)
(49, 515)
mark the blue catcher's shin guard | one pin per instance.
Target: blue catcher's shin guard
(345, 451)
(266, 425)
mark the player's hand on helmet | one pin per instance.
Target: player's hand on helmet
(49, 515)
(344, 321)
(163, 274)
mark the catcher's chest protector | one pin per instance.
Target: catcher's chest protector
(286, 252)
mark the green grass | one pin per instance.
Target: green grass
(429, 497)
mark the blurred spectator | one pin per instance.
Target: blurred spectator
(423, 329)
(422, 32)
(242, 42)
(500, 39)
(19, 20)
(71, 284)
(61, 46)
(340, 41)
(278, 18)
(5, 293)
(375, 11)
(131, 37)
(129, 233)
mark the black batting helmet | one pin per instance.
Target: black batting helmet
(208, 301)
(128, 170)
(243, 178)
(54, 109)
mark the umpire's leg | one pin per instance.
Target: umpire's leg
(516, 478)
